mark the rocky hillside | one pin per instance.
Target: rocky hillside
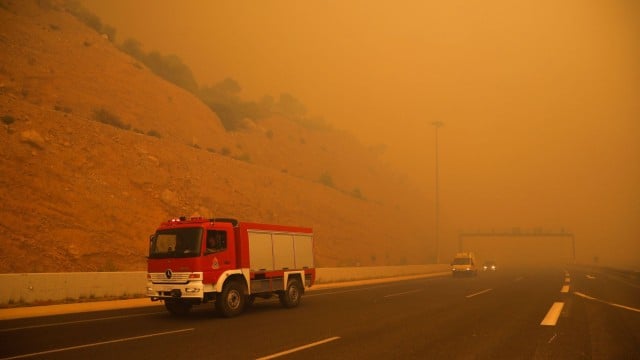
(97, 151)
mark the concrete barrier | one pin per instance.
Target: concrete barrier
(30, 288)
(341, 274)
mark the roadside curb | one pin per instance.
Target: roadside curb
(59, 309)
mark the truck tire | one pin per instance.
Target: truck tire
(230, 302)
(291, 296)
(177, 307)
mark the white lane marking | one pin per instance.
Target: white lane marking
(565, 289)
(585, 296)
(273, 356)
(404, 293)
(567, 280)
(97, 344)
(79, 321)
(553, 314)
(590, 277)
(606, 302)
(624, 307)
(478, 293)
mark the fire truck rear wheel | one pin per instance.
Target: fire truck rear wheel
(230, 302)
(177, 307)
(291, 296)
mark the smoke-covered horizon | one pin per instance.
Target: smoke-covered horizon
(539, 99)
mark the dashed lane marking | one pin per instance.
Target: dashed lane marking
(96, 344)
(553, 314)
(79, 321)
(403, 293)
(565, 289)
(286, 352)
(478, 293)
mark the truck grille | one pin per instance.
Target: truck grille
(176, 278)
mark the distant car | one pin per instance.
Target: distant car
(489, 266)
(464, 264)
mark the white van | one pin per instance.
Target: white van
(464, 264)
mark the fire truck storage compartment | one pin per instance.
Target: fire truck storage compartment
(267, 285)
(279, 251)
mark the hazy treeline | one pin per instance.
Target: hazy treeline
(223, 97)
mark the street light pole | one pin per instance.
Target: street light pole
(437, 125)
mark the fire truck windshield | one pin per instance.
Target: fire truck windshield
(175, 243)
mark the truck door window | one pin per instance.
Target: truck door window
(216, 241)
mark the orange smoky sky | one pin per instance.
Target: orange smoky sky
(540, 100)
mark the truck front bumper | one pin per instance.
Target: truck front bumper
(193, 290)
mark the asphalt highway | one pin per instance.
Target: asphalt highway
(551, 313)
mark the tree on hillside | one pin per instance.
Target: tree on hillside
(168, 67)
(88, 18)
(133, 48)
(224, 99)
(229, 115)
(294, 109)
(289, 106)
(267, 103)
(227, 89)
(171, 68)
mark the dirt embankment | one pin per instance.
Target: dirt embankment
(80, 192)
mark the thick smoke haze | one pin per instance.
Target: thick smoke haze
(540, 100)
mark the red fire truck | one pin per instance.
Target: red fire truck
(194, 261)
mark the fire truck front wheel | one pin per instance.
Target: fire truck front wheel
(291, 296)
(177, 307)
(230, 302)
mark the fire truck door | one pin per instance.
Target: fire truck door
(217, 250)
